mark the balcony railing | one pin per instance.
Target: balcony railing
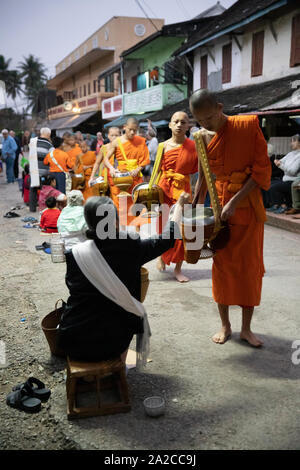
(153, 98)
(85, 104)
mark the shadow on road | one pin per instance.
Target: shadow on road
(273, 360)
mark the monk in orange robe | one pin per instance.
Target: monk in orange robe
(136, 157)
(113, 133)
(179, 161)
(84, 165)
(237, 154)
(73, 152)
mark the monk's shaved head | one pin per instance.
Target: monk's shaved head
(179, 123)
(112, 130)
(206, 110)
(202, 99)
(131, 127)
(180, 115)
(131, 121)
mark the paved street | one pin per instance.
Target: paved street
(218, 396)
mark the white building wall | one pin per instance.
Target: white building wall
(276, 62)
(215, 62)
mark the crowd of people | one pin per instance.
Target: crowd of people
(60, 178)
(283, 197)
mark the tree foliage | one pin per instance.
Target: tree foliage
(29, 79)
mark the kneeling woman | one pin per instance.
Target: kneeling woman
(103, 311)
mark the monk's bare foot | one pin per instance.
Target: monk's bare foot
(160, 265)
(223, 335)
(179, 276)
(251, 339)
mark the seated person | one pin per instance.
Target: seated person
(61, 201)
(94, 327)
(48, 189)
(276, 176)
(280, 192)
(48, 222)
(71, 223)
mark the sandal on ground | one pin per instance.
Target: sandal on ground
(10, 215)
(22, 399)
(29, 226)
(42, 246)
(29, 219)
(36, 387)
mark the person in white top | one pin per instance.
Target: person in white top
(281, 192)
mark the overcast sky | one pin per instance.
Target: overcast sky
(51, 29)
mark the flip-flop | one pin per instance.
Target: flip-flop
(39, 391)
(29, 226)
(29, 219)
(22, 399)
(43, 246)
(10, 215)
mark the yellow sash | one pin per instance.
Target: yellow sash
(179, 181)
(156, 174)
(129, 164)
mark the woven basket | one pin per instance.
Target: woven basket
(49, 326)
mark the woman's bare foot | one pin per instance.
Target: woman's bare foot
(223, 335)
(161, 266)
(179, 276)
(251, 339)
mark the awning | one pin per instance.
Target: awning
(120, 121)
(70, 121)
(161, 123)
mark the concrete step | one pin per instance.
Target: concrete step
(283, 221)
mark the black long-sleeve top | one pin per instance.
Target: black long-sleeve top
(92, 326)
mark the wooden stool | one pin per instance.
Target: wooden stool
(106, 373)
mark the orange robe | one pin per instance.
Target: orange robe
(237, 151)
(177, 166)
(72, 154)
(86, 159)
(135, 149)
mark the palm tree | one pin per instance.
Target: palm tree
(14, 85)
(4, 64)
(34, 74)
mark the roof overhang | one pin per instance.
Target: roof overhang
(232, 27)
(85, 61)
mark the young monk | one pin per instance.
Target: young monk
(84, 164)
(137, 153)
(237, 154)
(113, 133)
(73, 152)
(178, 162)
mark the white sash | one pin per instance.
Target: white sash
(55, 162)
(33, 163)
(95, 268)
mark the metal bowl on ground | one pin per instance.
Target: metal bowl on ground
(154, 406)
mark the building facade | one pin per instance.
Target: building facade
(78, 90)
